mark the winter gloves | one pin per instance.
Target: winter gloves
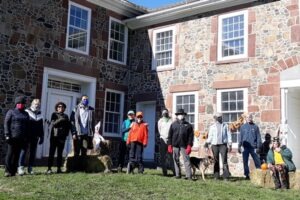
(188, 150)
(170, 149)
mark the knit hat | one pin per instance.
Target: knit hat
(20, 99)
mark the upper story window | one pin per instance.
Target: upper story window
(117, 48)
(78, 30)
(233, 36)
(232, 103)
(113, 112)
(163, 49)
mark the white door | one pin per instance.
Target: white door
(148, 109)
(53, 97)
(293, 119)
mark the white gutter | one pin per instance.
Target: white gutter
(121, 7)
(181, 11)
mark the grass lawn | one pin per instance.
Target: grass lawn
(151, 185)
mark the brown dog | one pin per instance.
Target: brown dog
(234, 126)
(202, 164)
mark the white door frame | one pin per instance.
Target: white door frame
(138, 107)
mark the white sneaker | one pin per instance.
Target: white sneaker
(21, 171)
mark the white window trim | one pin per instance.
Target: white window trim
(196, 105)
(165, 67)
(219, 93)
(121, 113)
(125, 41)
(220, 31)
(88, 29)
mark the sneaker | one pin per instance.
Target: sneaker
(178, 177)
(49, 171)
(21, 171)
(247, 178)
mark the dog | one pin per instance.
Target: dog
(234, 126)
(202, 164)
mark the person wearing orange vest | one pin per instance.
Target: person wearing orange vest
(137, 140)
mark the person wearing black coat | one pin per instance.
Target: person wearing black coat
(35, 135)
(60, 129)
(180, 142)
(16, 125)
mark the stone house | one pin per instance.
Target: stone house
(205, 56)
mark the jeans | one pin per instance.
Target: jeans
(32, 144)
(246, 152)
(223, 150)
(136, 155)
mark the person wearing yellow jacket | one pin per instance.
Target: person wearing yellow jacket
(137, 140)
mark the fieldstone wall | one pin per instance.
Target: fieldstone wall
(273, 47)
(33, 32)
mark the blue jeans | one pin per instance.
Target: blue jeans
(32, 145)
(246, 152)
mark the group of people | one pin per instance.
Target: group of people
(23, 129)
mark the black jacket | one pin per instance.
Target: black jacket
(16, 124)
(61, 125)
(36, 128)
(181, 134)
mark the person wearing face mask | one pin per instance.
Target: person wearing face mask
(16, 129)
(219, 137)
(123, 150)
(59, 132)
(250, 140)
(137, 140)
(36, 134)
(180, 142)
(83, 123)
(163, 125)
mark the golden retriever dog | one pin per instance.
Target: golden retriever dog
(202, 164)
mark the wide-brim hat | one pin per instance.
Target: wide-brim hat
(180, 111)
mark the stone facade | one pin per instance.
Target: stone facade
(33, 34)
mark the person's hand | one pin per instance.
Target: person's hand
(270, 165)
(41, 141)
(240, 149)
(257, 151)
(188, 150)
(170, 149)
(7, 139)
(74, 137)
(277, 149)
(230, 148)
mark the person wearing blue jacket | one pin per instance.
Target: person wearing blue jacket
(250, 142)
(16, 128)
(123, 150)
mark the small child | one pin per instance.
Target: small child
(265, 147)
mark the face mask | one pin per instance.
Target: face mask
(219, 119)
(20, 106)
(139, 120)
(166, 115)
(180, 117)
(35, 107)
(85, 102)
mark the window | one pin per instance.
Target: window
(233, 36)
(114, 101)
(78, 30)
(163, 49)
(189, 102)
(117, 41)
(232, 103)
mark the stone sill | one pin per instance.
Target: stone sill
(232, 61)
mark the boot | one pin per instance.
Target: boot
(276, 182)
(130, 168)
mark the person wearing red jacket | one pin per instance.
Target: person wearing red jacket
(137, 140)
(180, 141)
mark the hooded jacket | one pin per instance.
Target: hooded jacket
(16, 124)
(286, 156)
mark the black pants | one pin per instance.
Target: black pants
(59, 144)
(136, 155)
(81, 145)
(12, 155)
(165, 158)
(223, 150)
(123, 153)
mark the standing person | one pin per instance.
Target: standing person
(83, 123)
(16, 125)
(250, 140)
(164, 124)
(137, 140)
(264, 149)
(35, 135)
(280, 163)
(123, 150)
(59, 132)
(219, 137)
(180, 142)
